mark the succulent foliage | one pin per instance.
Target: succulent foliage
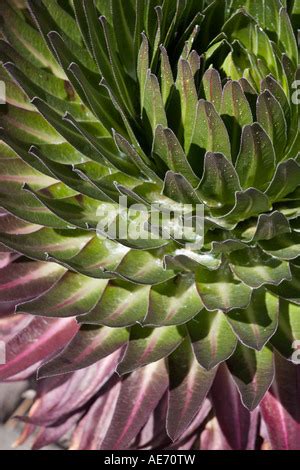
(165, 102)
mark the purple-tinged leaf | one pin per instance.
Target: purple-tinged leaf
(271, 225)
(52, 434)
(236, 422)
(177, 187)
(89, 345)
(189, 385)
(39, 340)
(248, 204)
(5, 259)
(62, 395)
(24, 374)
(38, 244)
(212, 86)
(91, 430)
(212, 437)
(147, 345)
(280, 408)
(73, 295)
(188, 437)
(139, 159)
(22, 281)
(284, 246)
(154, 433)
(274, 87)
(167, 147)
(11, 325)
(139, 395)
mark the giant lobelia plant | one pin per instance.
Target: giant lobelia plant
(146, 343)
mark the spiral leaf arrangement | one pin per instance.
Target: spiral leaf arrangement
(165, 102)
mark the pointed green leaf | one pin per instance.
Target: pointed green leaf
(144, 267)
(288, 329)
(167, 80)
(256, 324)
(255, 268)
(178, 188)
(253, 373)
(121, 304)
(188, 260)
(97, 99)
(96, 259)
(286, 180)
(219, 290)
(27, 40)
(185, 85)
(256, 152)
(274, 87)
(286, 246)
(125, 147)
(80, 212)
(147, 345)
(271, 225)
(270, 116)
(173, 302)
(49, 20)
(153, 103)
(287, 37)
(236, 113)
(248, 204)
(40, 243)
(167, 147)
(212, 338)
(65, 129)
(289, 289)
(143, 67)
(209, 131)
(123, 21)
(68, 174)
(219, 182)
(103, 148)
(212, 86)
(104, 49)
(266, 13)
